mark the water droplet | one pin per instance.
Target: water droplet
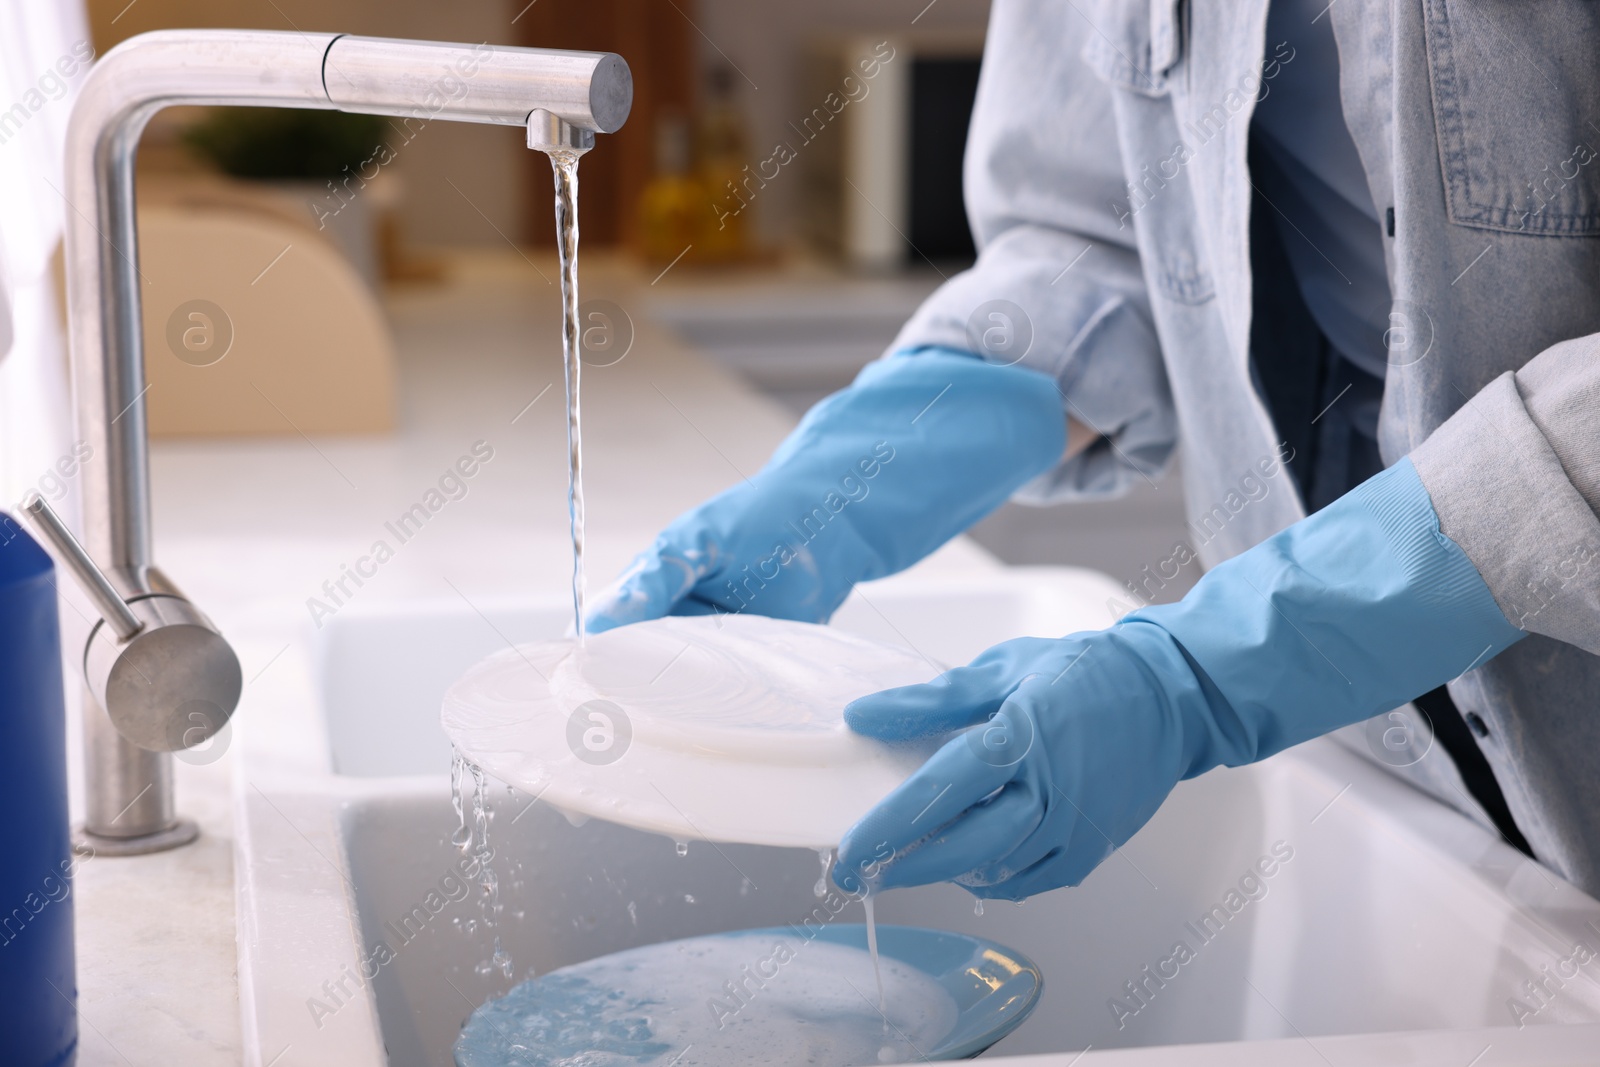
(575, 818)
(688, 898)
(887, 1054)
(977, 906)
(683, 848)
(633, 912)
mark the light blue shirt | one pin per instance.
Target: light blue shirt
(1107, 186)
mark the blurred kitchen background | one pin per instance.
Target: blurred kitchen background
(786, 191)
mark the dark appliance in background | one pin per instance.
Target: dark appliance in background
(942, 92)
(882, 187)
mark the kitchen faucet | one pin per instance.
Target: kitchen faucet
(160, 676)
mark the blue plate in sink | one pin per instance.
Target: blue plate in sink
(611, 1010)
(994, 987)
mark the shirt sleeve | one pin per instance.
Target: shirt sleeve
(1057, 286)
(1515, 478)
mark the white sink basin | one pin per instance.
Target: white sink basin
(1389, 928)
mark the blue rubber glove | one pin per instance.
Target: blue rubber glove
(1075, 742)
(875, 477)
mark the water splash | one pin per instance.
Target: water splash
(458, 770)
(472, 838)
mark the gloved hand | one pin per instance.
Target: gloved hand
(1074, 743)
(875, 477)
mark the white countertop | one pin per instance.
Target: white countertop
(252, 528)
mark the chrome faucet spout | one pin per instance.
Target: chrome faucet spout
(584, 93)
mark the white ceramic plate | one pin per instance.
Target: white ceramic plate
(722, 728)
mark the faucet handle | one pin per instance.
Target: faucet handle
(106, 599)
(169, 680)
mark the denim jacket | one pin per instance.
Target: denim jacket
(1107, 186)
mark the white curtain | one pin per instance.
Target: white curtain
(44, 53)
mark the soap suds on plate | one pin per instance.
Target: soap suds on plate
(735, 999)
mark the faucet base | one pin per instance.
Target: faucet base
(177, 835)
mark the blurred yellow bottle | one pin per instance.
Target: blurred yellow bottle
(722, 155)
(673, 204)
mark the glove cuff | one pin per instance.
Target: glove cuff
(1342, 616)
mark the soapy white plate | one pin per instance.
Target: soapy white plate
(720, 728)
